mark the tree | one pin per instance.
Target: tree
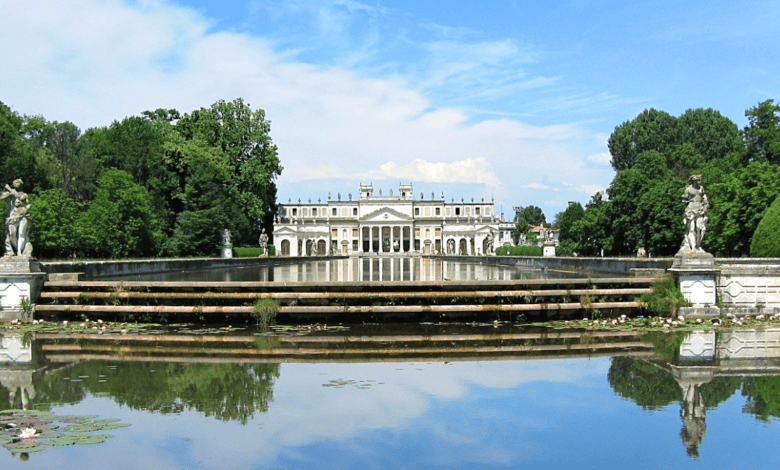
(533, 215)
(651, 130)
(762, 135)
(765, 242)
(738, 205)
(209, 203)
(592, 232)
(54, 223)
(243, 136)
(118, 222)
(565, 221)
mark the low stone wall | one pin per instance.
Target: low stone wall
(618, 266)
(749, 283)
(98, 269)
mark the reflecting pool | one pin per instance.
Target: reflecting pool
(424, 396)
(370, 268)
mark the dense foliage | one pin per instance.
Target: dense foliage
(520, 250)
(160, 184)
(766, 243)
(654, 156)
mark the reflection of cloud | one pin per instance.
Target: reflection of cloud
(424, 407)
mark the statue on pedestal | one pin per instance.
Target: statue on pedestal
(263, 243)
(17, 222)
(695, 218)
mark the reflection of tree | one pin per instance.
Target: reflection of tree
(5, 398)
(719, 389)
(647, 385)
(225, 391)
(763, 396)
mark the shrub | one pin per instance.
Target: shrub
(251, 251)
(264, 312)
(765, 242)
(519, 250)
(666, 297)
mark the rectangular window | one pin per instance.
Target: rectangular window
(457, 211)
(314, 212)
(476, 211)
(438, 211)
(334, 211)
(354, 211)
(416, 211)
(295, 211)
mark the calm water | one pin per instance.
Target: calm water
(421, 397)
(363, 269)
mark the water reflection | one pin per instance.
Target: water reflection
(440, 396)
(361, 269)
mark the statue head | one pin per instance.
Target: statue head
(17, 182)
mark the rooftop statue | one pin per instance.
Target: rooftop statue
(17, 222)
(696, 218)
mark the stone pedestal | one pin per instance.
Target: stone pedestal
(548, 249)
(227, 251)
(698, 279)
(21, 280)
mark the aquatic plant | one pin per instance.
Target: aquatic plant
(264, 312)
(34, 430)
(666, 297)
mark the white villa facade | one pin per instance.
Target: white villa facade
(389, 224)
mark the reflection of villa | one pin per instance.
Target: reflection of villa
(389, 224)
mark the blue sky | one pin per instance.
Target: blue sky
(506, 100)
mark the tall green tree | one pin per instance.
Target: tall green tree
(564, 221)
(118, 222)
(244, 138)
(762, 135)
(53, 231)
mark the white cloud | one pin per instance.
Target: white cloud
(469, 170)
(535, 186)
(603, 158)
(591, 189)
(92, 62)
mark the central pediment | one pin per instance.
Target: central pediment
(385, 215)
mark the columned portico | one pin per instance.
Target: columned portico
(390, 224)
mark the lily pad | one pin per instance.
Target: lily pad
(24, 445)
(75, 419)
(73, 439)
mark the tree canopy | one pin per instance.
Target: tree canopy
(655, 154)
(163, 183)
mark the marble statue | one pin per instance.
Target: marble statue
(490, 243)
(263, 243)
(450, 247)
(696, 218)
(226, 238)
(17, 222)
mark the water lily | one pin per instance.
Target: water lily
(29, 433)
